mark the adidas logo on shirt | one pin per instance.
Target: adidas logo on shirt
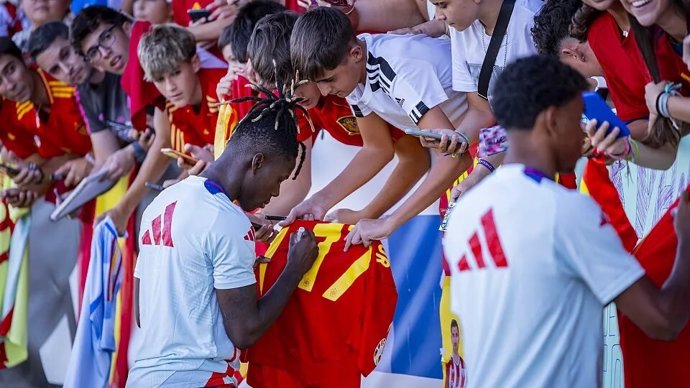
(161, 233)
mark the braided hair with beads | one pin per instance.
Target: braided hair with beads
(272, 122)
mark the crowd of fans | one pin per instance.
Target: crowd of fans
(115, 88)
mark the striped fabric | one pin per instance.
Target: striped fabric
(14, 284)
(95, 342)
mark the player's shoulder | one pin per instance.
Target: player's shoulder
(400, 50)
(576, 206)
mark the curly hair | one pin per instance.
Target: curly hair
(552, 25)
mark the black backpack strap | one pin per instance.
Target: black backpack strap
(494, 46)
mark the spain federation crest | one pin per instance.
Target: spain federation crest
(349, 124)
(378, 352)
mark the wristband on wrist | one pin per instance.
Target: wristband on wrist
(487, 165)
(658, 101)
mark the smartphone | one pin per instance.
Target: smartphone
(275, 218)
(596, 108)
(153, 186)
(169, 152)
(197, 14)
(58, 177)
(118, 126)
(427, 134)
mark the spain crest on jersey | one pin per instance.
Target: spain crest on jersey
(349, 124)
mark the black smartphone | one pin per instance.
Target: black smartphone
(275, 218)
(197, 14)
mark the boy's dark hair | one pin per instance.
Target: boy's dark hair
(238, 33)
(552, 25)
(42, 37)
(270, 126)
(320, 41)
(454, 324)
(529, 86)
(269, 48)
(90, 18)
(7, 47)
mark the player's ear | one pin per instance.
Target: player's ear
(196, 63)
(550, 117)
(356, 52)
(257, 162)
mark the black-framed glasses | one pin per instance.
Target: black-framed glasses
(105, 40)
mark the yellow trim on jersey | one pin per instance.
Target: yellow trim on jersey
(23, 108)
(331, 234)
(269, 254)
(345, 281)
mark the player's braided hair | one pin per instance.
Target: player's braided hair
(279, 109)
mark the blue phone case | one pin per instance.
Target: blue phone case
(596, 108)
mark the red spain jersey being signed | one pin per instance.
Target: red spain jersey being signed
(335, 324)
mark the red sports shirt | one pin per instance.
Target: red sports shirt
(335, 325)
(334, 115)
(62, 131)
(625, 73)
(196, 125)
(13, 135)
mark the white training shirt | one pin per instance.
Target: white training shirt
(193, 240)
(407, 75)
(469, 46)
(532, 266)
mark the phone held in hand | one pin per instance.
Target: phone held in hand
(597, 109)
(171, 153)
(198, 14)
(426, 134)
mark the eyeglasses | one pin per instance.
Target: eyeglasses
(105, 40)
